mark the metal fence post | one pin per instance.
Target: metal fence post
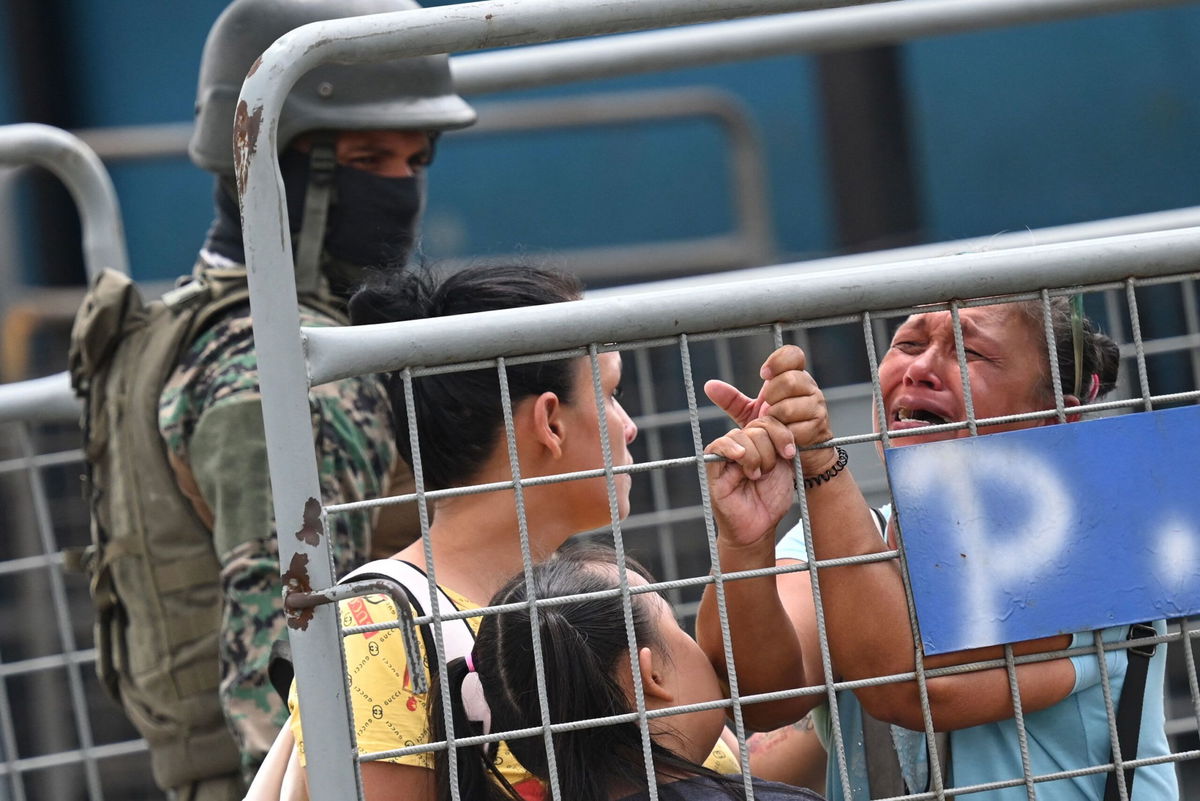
(77, 166)
(272, 284)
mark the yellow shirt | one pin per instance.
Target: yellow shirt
(389, 715)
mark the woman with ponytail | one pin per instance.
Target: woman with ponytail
(589, 674)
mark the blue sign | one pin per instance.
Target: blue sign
(1051, 530)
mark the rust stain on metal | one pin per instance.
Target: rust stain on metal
(312, 530)
(317, 45)
(254, 67)
(296, 580)
(488, 16)
(246, 128)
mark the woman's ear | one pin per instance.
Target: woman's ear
(548, 427)
(1069, 402)
(653, 682)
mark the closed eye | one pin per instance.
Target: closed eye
(974, 354)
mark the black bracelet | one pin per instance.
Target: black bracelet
(815, 481)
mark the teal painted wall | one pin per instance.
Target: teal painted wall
(1025, 127)
(1057, 123)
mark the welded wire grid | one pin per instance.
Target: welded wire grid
(671, 527)
(46, 670)
(59, 736)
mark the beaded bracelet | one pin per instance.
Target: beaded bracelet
(820, 478)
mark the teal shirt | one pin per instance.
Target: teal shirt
(1070, 735)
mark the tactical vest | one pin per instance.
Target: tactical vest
(153, 570)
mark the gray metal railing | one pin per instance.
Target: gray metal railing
(770, 309)
(750, 243)
(284, 376)
(22, 407)
(334, 353)
(51, 398)
(533, 66)
(860, 25)
(77, 166)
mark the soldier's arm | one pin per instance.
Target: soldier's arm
(228, 462)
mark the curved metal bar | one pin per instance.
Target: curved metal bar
(48, 399)
(836, 29)
(751, 243)
(77, 166)
(295, 602)
(1074, 232)
(335, 353)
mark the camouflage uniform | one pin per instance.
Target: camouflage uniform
(211, 422)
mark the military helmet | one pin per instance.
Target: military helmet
(403, 94)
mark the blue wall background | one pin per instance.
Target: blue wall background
(1030, 126)
(1057, 123)
(7, 76)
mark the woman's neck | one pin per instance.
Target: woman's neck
(477, 543)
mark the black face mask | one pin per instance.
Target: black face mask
(225, 234)
(373, 220)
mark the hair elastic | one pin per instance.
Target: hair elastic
(1077, 340)
(1094, 387)
(475, 702)
(470, 660)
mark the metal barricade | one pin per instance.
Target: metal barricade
(290, 361)
(819, 30)
(744, 317)
(46, 660)
(750, 243)
(77, 166)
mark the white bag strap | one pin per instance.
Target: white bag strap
(458, 638)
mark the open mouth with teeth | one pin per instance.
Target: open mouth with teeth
(904, 417)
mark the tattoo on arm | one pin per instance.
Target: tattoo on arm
(766, 741)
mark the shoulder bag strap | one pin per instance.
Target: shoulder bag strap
(457, 635)
(880, 521)
(1129, 708)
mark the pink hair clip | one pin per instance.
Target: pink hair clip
(475, 702)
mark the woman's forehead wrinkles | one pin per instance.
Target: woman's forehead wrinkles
(915, 321)
(987, 323)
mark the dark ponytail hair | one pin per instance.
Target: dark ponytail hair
(583, 643)
(459, 415)
(1100, 355)
(478, 777)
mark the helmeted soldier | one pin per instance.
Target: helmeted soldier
(185, 566)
